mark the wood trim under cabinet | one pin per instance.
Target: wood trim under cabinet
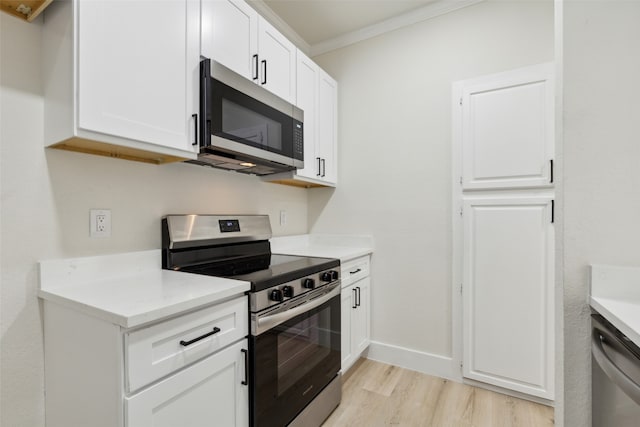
(87, 146)
(37, 6)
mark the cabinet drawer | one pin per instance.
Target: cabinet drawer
(158, 350)
(210, 393)
(354, 270)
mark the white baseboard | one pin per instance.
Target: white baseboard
(427, 363)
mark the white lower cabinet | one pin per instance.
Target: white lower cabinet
(508, 293)
(209, 393)
(189, 370)
(356, 303)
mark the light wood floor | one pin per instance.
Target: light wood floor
(375, 394)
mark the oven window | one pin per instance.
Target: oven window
(302, 347)
(250, 125)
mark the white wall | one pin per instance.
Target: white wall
(46, 196)
(395, 154)
(601, 168)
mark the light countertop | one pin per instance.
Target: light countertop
(130, 289)
(615, 294)
(344, 247)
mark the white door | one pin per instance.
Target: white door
(277, 63)
(328, 127)
(346, 337)
(361, 318)
(307, 99)
(507, 129)
(138, 79)
(230, 35)
(209, 393)
(508, 293)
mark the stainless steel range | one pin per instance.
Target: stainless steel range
(294, 308)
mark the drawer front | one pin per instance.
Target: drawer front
(354, 270)
(158, 350)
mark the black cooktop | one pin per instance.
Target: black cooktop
(265, 270)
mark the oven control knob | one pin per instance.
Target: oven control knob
(276, 295)
(308, 283)
(329, 276)
(287, 291)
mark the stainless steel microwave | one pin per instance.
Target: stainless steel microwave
(244, 127)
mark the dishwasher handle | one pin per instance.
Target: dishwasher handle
(613, 371)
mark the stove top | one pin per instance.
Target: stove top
(266, 270)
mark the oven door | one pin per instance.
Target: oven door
(294, 360)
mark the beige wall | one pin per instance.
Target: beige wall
(395, 153)
(46, 197)
(601, 169)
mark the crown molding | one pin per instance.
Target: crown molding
(432, 10)
(267, 13)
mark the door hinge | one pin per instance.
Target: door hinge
(460, 211)
(461, 366)
(461, 288)
(553, 211)
(460, 179)
(460, 101)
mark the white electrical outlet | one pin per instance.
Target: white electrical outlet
(100, 223)
(283, 218)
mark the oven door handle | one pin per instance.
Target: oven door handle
(272, 320)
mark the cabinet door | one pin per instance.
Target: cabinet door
(208, 393)
(327, 127)
(230, 35)
(508, 293)
(508, 129)
(138, 79)
(277, 57)
(347, 306)
(361, 322)
(307, 77)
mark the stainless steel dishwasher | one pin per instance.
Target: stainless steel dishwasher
(615, 370)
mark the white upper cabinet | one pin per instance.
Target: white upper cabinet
(122, 80)
(277, 61)
(234, 35)
(307, 78)
(230, 35)
(508, 130)
(317, 96)
(328, 127)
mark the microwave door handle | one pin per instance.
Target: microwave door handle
(205, 103)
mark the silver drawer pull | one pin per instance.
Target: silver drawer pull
(201, 337)
(357, 271)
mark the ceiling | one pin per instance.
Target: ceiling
(317, 21)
